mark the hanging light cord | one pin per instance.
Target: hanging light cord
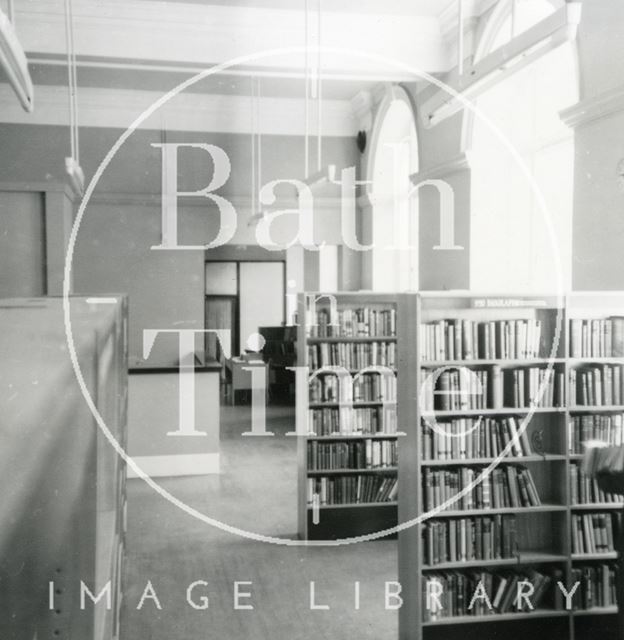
(72, 81)
(259, 138)
(319, 93)
(460, 38)
(306, 76)
(253, 148)
(256, 147)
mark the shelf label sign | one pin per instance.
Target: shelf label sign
(498, 303)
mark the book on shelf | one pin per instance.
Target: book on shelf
(597, 385)
(347, 322)
(597, 337)
(467, 438)
(460, 339)
(469, 539)
(606, 427)
(352, 489)
(457, 591)
(361, 454)
(368, 387)
(493, 387)
(327, 421)
(534, 386)
(593, 533)
(584, 489)
(352, 355)
(596, 586)
(506, 486)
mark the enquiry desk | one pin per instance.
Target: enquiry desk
(167, 436)
(239, 371)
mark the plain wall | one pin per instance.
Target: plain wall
(123, 220)
(598, 234)
(261, 297)
(165, 288)
(153, 410)
(598, 231)
(22, 244)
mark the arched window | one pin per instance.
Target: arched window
(394, 157)
(514, 246)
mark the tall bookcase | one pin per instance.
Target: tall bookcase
(487, 468)
(346, 415)
(63, 519)
(596, 411)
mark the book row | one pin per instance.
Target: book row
(598, 385)
(466, 438)
(352, 355)
(457, 593)
(471, 340)
(362, 454)
(534, 386)
(362, 322)
(467, 539)
(367, 387)
(457, 389)
(593, 533)
(357, 489)
(505, 486)
(466, 389)
(585, 490)
(328, 421)
(596, 586)
(597, 338)
(608, 428)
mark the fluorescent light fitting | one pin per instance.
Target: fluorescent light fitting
(545, 36)
(13, 61)
(76, 176)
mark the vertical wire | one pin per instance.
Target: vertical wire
(306, 77)
(319, 94)
(460, 37)
(259, 133)
(11, 12)
(253, 150)
(75, 82)
(70, 80)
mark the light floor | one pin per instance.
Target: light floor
(256, 491)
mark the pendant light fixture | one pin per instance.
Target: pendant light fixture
(72, 163)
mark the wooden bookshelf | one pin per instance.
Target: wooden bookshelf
(600, 316)
(64, 519)
(365, 335)
(543, 536)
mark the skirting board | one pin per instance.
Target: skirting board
(194, 464)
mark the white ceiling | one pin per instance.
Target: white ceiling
(150, 46)
(427, 8)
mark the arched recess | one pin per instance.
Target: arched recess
(389, 213)
(513, 246)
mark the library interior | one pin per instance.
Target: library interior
(312, 319)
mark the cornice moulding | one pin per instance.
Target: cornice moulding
(241, 203)
(212, 113)
(460, 162)
(590, 109)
